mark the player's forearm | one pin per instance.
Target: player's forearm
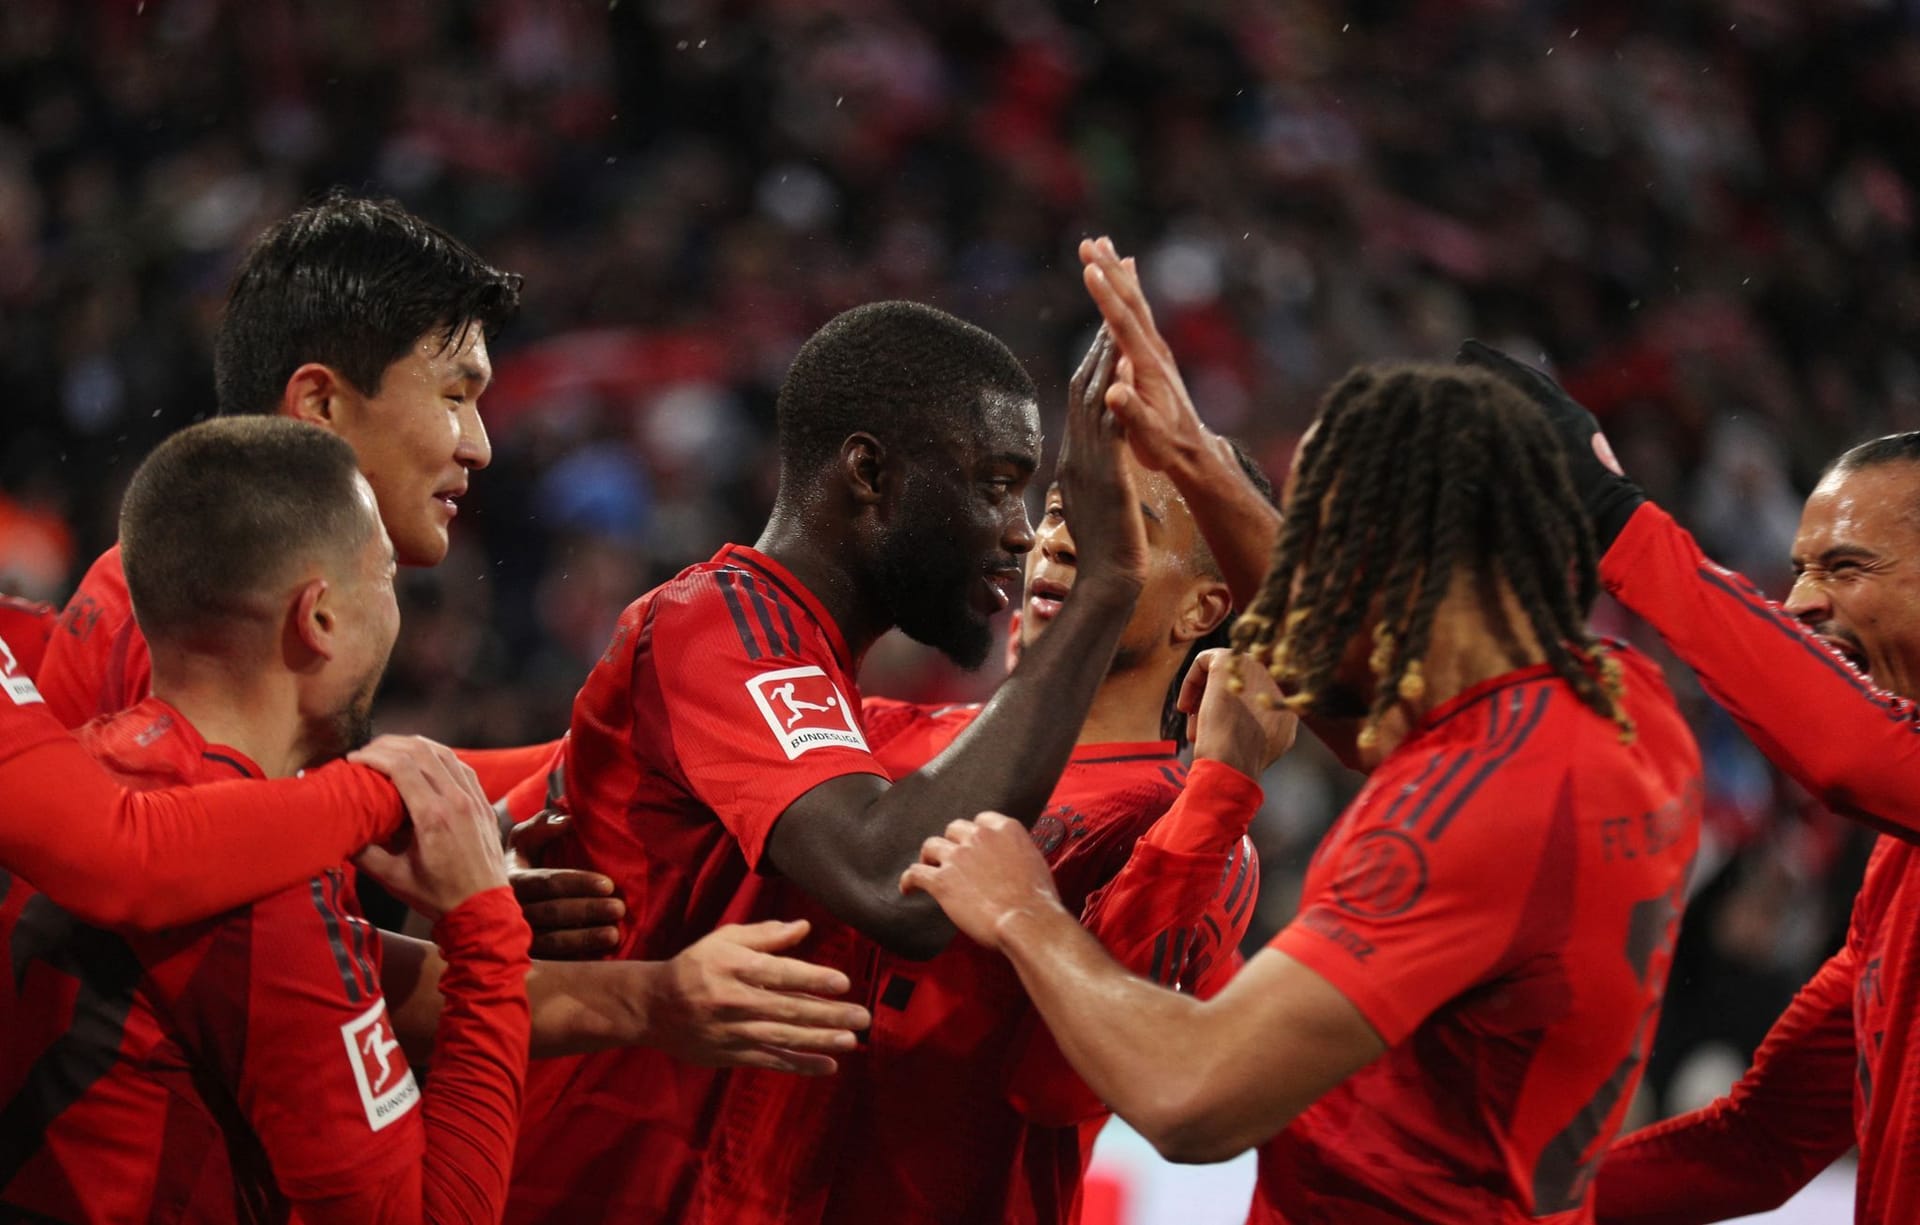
(501, 770)
(153, 859)
(1141, 1048)
(574, 1007)
(472, 1102)
(1853, 746)
(1701, 1167)
(1238, 523)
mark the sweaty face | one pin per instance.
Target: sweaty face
(1856, 563)
(419, 436)
(950, 559)
(1173, 573)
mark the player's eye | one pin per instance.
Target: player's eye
(1055, 513)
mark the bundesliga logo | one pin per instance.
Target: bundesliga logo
(805, 710)
(387, 1087)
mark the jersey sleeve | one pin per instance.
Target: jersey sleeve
(501, 770)
(1854, 746)
(1786, 1120)
(26, 626)
(96, 661)
(320, 1075)
(1400, 924)
(1176, 913)
(758, 702)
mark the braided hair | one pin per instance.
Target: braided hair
(1413, 474)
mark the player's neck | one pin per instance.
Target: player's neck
(818, 560)
(257, 715)
(1127, 707)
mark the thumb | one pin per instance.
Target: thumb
(1195, 684)
(918, 878)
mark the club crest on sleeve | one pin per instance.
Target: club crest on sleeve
(13, 682)
(805, 710)
(387, 1087)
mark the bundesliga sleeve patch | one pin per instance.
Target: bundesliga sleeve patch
(12, 683)
(805, 710)
(387, 1087)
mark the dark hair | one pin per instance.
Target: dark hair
(1173, 724)
(1891, 449)
(221, 509)
(891, 369)
(351, 283)
(1411, 473)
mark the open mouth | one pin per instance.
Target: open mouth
(1044, 598)
(1847, 649)
(1002, 584)
(449, 499)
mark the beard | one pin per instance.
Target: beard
(351, 726)
(926, 577)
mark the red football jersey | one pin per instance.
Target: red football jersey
(1835, 1069)
(958, 1107)
(1500, 903)
(25, 628)
(245, 1067)
(725, 695)
(96, 662)
(150, 860)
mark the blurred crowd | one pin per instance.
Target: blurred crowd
(1701, 211)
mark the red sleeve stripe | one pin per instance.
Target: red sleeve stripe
(726, 579)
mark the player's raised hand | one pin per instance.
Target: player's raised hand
(1239, 718)
(1608, 496)
(728, 1001)
(1096, 490)
(984, 873)
(451, 848)
(1148, 395)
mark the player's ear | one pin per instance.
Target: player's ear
(1206, 605)
(863, 463)
(316, 622)
(317, 394)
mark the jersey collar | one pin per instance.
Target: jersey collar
(1475, 693)
(154, 730)
(1114, 751)
(781, 577)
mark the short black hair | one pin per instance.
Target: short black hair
(891, 369)
(1890, 449)
(1173, 723)
(351, 283)
(222, 509)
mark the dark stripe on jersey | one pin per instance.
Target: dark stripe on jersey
(1439, 788)
(1102, 761)
(1179, 955)
(1407, 792)
(1219, 937)
(1758, 606)
(1177, 778)
(1499, 759)
(224, 760)
(846, 664)
(353, 926)
(1497, 729)
(1239, 882)
(1159, 958)
(332, 923)
(760, 609)
(1250, 862)
(726, 580)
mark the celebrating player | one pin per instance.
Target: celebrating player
(959, 1105)
(907, 438)
(246, 1064)
(1831, 1074)
(1451, 1029)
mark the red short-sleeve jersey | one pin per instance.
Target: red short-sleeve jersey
(26, 626)
(725, 695)
(1500, 903)
(958, 1108)
(204, 1072)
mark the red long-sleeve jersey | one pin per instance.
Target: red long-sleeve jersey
(959, 1108)
(1850, 1032)
(96, 663)
(151, 859)
(246, 1067)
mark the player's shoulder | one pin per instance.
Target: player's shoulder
(147, 745)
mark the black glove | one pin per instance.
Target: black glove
(1609, 497)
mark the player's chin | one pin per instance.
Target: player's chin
(424, 544)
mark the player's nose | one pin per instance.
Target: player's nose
(1808, 602)
(1018, 536)
(1056, 542)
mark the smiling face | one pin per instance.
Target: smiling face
(419, 436)
(1856, 562)
(950, 559)
(1181, 600)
